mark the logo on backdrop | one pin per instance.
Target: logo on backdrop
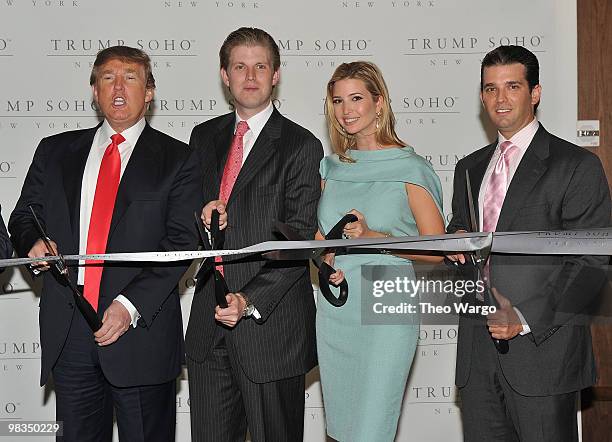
(186, 112)
(5, 46)
(445, 51)
(19, 348)
(441, 400)
(323, 52)
(431, 393)
(368, 5)
(70, 113)
(182, 398)
(56, 3)
(15, 355)
(48, 114)
(6, 169)
(85, 46)
(43, 4)
(426, 110)
(443, 161)
(231, 5)
(9, 409)
(81, 52)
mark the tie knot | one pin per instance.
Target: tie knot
(507, 148)
(242, 128)
(117, 139)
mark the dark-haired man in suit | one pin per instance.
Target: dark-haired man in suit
(528, 179)
(119, 187)
(247, 362)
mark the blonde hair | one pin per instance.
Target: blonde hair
(376, 86)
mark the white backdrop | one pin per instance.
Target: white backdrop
(429, 51)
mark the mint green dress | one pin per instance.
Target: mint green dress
(364, 368)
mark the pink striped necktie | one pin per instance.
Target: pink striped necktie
(232, 168)
(233, 163)
(496, 187)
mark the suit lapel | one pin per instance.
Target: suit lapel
(144, 158)
(260, 153)
(73, 169)
(532, 166)
(477, 172)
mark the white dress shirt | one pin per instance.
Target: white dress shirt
(88, 188)
(522, 140)
(256, 124)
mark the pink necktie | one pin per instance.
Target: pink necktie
(497, 186)
(232, 168)
(101, 215)
(233, 163)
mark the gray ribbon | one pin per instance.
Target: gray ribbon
(574, 242)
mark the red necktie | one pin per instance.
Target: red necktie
(232, 168)
(101, 215)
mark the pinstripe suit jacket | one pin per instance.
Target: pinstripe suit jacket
(278, 181)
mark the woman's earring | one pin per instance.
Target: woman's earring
(377, 119)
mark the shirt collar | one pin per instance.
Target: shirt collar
(131, 134)
(521, 139)
(258, 121)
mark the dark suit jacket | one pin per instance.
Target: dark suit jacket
(6, 250)
(278, 181)
(159, 190)
(557, 186)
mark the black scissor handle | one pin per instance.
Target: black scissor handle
(325, 271)
(215, 233)
(201, 232)
(221, 289)
(501, 345)
(336, 231)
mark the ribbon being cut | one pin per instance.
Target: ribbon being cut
(566, 242)
(575, 242)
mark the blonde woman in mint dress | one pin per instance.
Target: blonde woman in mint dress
(393, 192)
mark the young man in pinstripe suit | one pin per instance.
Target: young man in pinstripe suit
(247, 362)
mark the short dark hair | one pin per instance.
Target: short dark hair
(504, 55)
(249, 37)
(125, 54)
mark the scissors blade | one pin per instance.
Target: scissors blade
(288, 232)
(479, 258)
(471, 207)
(42, 232)
(90, 315)
(480, 255)
(293, 255)
(60, 263)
